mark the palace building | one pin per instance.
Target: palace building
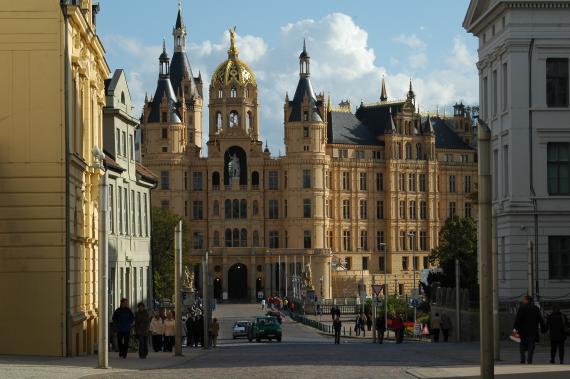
(352, 188)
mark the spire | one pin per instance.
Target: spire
(233, 51)
(329, 106)
(392, 127)
(164, 61)
(179, 20)
(383, 94)
(304, 61)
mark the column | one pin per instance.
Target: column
(252, 280)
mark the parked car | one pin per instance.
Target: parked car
(240, 329)
(264, 327)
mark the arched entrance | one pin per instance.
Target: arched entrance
(237, 282)
(218, 288)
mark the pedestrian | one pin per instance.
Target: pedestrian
(361, 324)
(199, 336)
(380, 328)
(184, 331)
(157, 330)
(337, 324)
(123, 320)
(213, 331)
(262, 304)
(142, 326)
(445, 326)
(357, 325)
(337, 311)
(435, 326)
(527, 321)
(369, 322)
(169, 331)
(189, 330)
(558, 326)
(398, 326)
(333, 312)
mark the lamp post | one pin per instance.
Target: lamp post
(413, 235)
(178, 288)
(103, 298)
(384, 247)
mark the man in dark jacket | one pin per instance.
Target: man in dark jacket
(527, 321)
(557, 324)
(337, 326)
(123, 320)
(142, 325)
(380, 328)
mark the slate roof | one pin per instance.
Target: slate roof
(304, 88)
(164, 88)
(179, 65)
(445, 136)
(111, 84)
(345, 128)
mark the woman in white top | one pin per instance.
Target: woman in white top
(169, 332)
(157, 330)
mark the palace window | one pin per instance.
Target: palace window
(348, 263)
(228, 208)
(233, 92)
(307, 208)
(380, 243)
(273, 209)
(285, 208)
(165, 180)
(306, 178)
(218, 121)
(359, 154)
(216, 208)
(197, 210)
(402, 209)
(408, 151)
(234, 119)
(273, 239)
(422, 183)
(467, 184)
(412, 182)
(216, 239)
(363, 181)
(273, 179)
(364, 240)
(197, 240)
(243, 208)
(365, 263)
(381, 264)
(220, 93)
(468, 210)
(412, 207)
(255, 241)
(423, 241)
(451, 210)
(346, 209)
(307, 239)
(451, 183)
(423, 210)
(419, 151)
(363, 209)
(402, 182)
(557, 82)
(342, 153)
(346, 244)
(402, 240)
(305, 131)
(379, 181)
(346, 181)
(235, 208)
(197, 181)
(380, 209)
(255, 207)
(405, 263)
(426, 262)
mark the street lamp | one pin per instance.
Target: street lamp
(384, 247)
(413, 235)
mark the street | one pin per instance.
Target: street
(303, 353)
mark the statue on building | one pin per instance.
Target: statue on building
(188, 283)
(308, 277)
(233, 166)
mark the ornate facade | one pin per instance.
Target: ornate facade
(350, 186)
(53, 69)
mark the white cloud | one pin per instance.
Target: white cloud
(418, 60)
(410, 40)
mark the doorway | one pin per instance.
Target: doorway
(237, 282)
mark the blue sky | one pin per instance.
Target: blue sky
(351, 43)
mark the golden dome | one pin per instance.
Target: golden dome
(233, 70)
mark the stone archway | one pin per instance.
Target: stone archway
(237, 282)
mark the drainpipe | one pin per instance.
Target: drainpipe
(67, 122)
(531, 171)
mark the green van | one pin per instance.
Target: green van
(264, 327)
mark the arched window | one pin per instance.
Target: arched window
(235, 208)
(248, 122)
(243, 208)
(123, 97)
(418, 151)
(233, 92)
(243, 238)
(215, 178)
(235, 238)
(255, 208)
(255, 241)
(228, 208)
(399, 146)
(178, 41)
(216, 239)
(218, 121)
(228, 237)
(234, 119)
(255, 178)
(216, 208)
(408, 151)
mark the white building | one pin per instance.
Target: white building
(130, 183)
(524, 49)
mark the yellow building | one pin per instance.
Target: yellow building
(349, 186)
(52, 70)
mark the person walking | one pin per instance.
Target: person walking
(361, 325)
(199, 330)
(369, 322)
(357, 325)
(123, 320)
(156, 330)
(189, 330)
(213, 332)
(527, 321)
(337, 311)
(445, 326)
(380, 328)
(435, 326)
(337, 324)
(398, 326)
(333, 312)
(558, 326)
(262, 304)
(142, 326)
(169, 331)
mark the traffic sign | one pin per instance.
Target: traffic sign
(377, 288)
(414, 303)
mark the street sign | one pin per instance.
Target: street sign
(377, 288)
(414, 303)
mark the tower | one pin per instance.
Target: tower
(233, 98)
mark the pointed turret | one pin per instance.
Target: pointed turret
(180, 70)
(304, 92)
(164, 93)
(429, 126)
(383, 93)
(411, 94)
(391, 125)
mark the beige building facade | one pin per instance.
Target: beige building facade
(351, 184)
(52, 67)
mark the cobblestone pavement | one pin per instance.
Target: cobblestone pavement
(303, 353)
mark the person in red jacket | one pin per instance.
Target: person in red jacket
(398, 326)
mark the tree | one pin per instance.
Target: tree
(457, 239)
(162, 250)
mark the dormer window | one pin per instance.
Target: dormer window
(305, 116)
(122, 97)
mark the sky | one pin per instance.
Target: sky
(352, 44)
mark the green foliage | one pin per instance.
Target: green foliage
(457, 239)
(162, 249)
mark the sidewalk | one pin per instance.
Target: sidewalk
(16, 367)
(501, 370)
